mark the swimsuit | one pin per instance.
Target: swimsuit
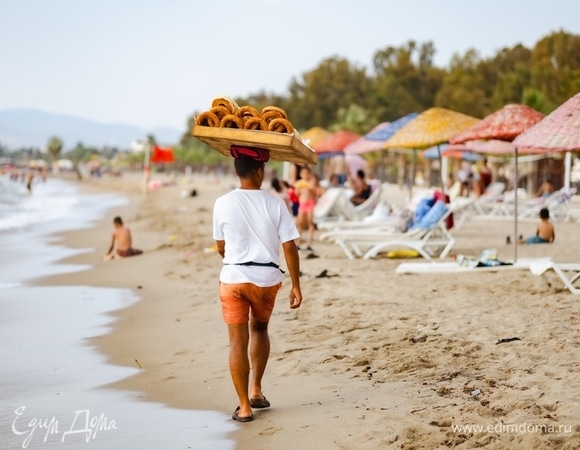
(366, 193)
(129, 252)
(536, 240)
(306, 205)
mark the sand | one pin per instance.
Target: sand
(371, 360)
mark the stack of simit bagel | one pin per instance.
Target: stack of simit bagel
(225, 113)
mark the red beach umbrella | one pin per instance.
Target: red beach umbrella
(504, 124)
(559, 131)
(336, 142)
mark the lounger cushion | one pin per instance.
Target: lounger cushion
(432, 217)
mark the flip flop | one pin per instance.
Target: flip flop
(259, 403)
(241, 419)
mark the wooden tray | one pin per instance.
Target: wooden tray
(282, 146)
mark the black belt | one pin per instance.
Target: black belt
(252, 263)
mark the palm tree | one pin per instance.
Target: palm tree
(54, 147)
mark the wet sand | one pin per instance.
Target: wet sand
(51, 310)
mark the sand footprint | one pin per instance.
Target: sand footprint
(270, 431)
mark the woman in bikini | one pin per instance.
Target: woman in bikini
(307, 196)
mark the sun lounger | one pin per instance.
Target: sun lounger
(454, 267)
(429, 241)
(558, 203)
(487, 203)
(367, 207)
(568, 273)
(335, 205)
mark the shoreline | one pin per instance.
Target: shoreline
(146, 277)
(427, 341)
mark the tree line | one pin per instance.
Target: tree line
(338, 94)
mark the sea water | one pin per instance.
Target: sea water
(50, 377)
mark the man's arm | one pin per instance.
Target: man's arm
(221, 247)
(293, 264)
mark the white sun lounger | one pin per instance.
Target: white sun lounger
(568, 273)
(435, 241)
(454, 267)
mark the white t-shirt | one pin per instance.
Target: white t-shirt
(253, 224)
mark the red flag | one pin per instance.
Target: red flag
(162, 155)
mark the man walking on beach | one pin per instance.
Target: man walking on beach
(249, 224)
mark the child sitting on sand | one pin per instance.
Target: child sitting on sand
(122, 235)
(545, 232)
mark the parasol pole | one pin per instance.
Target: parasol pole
(413, 174)
(567, 169)
(516, 240)
(441, 174)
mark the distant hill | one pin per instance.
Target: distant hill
(32, 128)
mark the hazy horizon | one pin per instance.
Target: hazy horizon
(151, 64)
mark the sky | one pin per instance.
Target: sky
(154, 63)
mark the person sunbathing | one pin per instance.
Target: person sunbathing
(546, 188)
(362, 190)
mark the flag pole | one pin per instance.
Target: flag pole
(146, 167)
(516, 176)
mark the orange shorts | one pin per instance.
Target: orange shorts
(238, 299)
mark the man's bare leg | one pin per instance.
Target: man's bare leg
(240, 365)
(259, 354)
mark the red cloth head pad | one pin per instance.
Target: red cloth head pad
(259, 154)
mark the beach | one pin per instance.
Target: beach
(371, 359)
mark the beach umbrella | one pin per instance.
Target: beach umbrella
(336, 142)
(447, 151)
(327, 155)
(505, 124)
(315, 136)
(490, 147)
(374, 139)
(432, 127)
(363, 144)
(559, 131)
(383, 134)
(332, 147)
